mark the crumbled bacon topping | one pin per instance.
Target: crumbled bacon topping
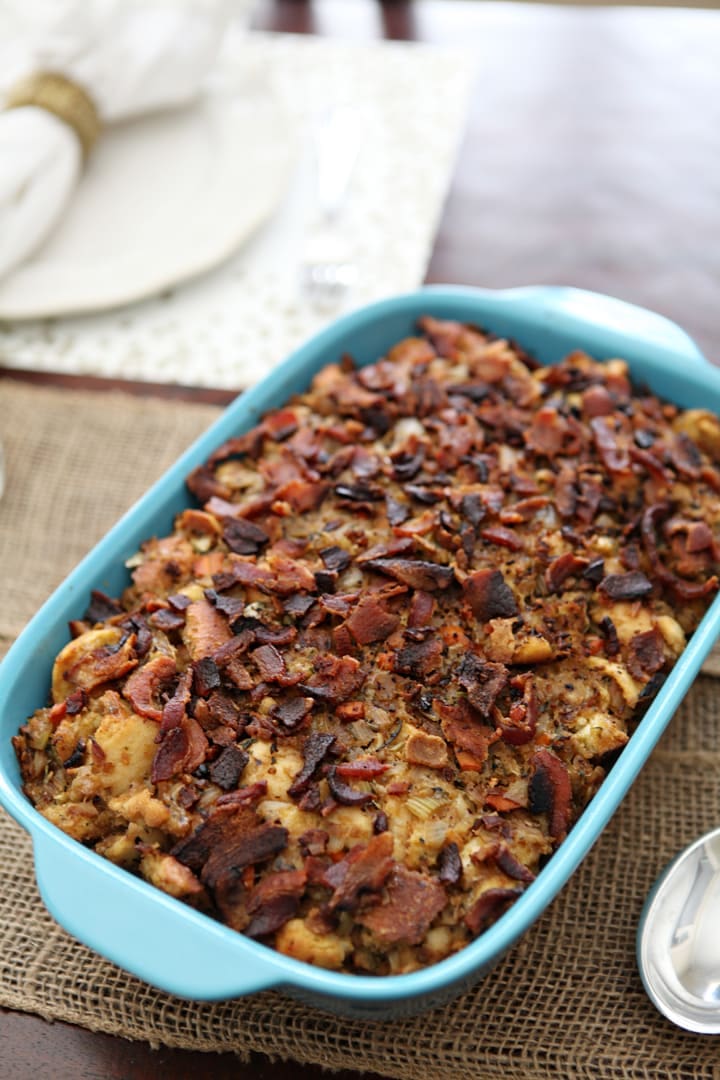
(145, 685)
(336, 679)
(489, 595)
(369, 682)
(365, 869)
(408, 909)
(416, 573)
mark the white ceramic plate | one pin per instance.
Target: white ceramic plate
(163, 199)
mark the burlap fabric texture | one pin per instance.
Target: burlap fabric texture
(566, 1002)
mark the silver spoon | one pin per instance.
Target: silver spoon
(678, 941)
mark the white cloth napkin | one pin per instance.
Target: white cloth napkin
(130, 56)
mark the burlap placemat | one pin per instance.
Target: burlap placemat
(567, 1001)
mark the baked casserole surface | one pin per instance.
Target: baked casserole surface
(357, 697)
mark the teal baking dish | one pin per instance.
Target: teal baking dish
(167, 943)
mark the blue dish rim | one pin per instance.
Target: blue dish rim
(567, 313)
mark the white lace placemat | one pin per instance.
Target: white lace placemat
(229, 327)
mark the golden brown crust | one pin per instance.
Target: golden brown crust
(360, 693)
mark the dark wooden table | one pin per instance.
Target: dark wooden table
(591, 158)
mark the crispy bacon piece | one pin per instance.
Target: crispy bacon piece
(231, 607)
(224, 711)
(692, 545)
(365, 869)
(465, 733)
(483, 680)
(686, 590)
(248, 444)
(298, 604)
(597, 401)
(167, 620)
(102, 607)
(289, 575)
(411, 903)
(416, 573)
(245, 796)
(315, 749)
(104, 664)
(646, 653)
(345, 794)
(183, 749)
(303, 495)
(498, 534)
(698, 534)
(174, 708)
(523, 509)
(444, 335)
(203, 484)
(75, 703)
(206, 676)
(651, 464)
(632, 585)
(400, 545)
(274, 900)
(685, 456)
(313, 841)
(361, 769)
(421, 610)
(336, 679)
(231, 839)
(614, 456)
(136, 624)
(144, 686)
(205, 629)
(276, 574)
(338, 603)
(371, 620)
(489, 906)
(361, 493)
(609, 632)
(449, 865)
(489, 595)
(519, 726)
(594, 571)
(280, 425)
(230, 831)
(407, 463)
(564, 567)
(473, 508)
(271, 665)
(566, 493)
(511, 866)
(244, 537)
(418, 659)
(291, 714)
(226, 770)
(397, 512)
(335, 558)
(550, 792)
(548, 432)
(230, 665)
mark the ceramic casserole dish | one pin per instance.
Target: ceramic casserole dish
(167, 943)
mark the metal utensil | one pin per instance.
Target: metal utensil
(327, 270)
(678, 942)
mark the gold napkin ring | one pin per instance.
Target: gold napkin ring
(62, 97)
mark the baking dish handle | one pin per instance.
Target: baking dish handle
(569, 306)
(152, 936)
